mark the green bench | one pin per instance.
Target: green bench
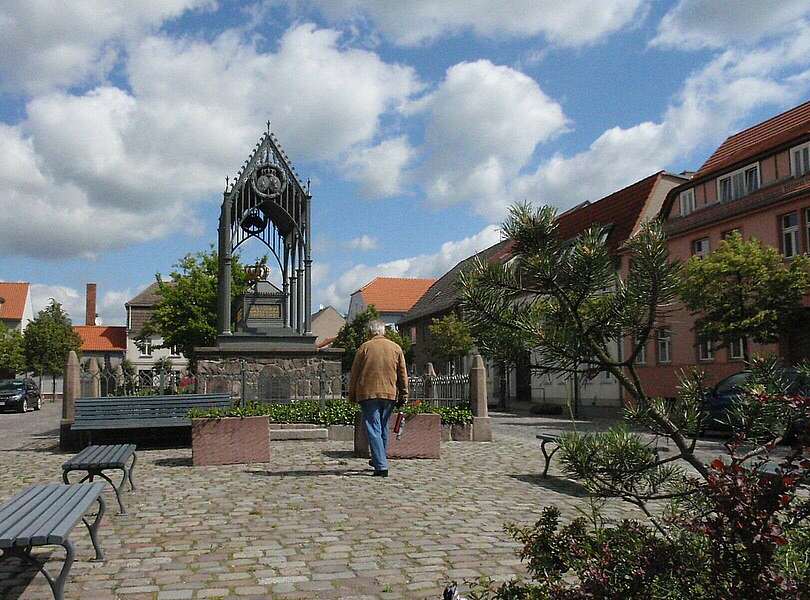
(44, 515)
(141, 412)
(94, 460)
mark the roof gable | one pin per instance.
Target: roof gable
(13, 297)
(147, 297)
(748, 143)
(394, 294)
(619, 210)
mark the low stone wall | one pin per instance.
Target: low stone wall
(280, 378)
(231, 440)
(421, 438)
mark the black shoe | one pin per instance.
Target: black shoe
(371, 463)
(381, 473)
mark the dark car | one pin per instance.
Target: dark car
(21, 395)
(721, 398)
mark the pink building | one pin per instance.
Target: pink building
(758, 183)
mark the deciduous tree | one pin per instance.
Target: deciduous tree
(48, 340)
(12, 352)
(745, 290)
(450, 338)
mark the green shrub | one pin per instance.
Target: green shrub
(335, 412)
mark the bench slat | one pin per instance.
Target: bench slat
(22, 514)
(36, 523)
(130, 424)
(114, 456)
(45, 514)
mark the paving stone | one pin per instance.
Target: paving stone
(311, 523)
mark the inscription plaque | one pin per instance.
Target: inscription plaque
(265, 311)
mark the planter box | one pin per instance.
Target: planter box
(462, 433)
(421, 439)
(230, 441)
(341, 433)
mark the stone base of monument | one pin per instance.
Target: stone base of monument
(298, 431)
(482, 429)
(421, 438)
(230, 440)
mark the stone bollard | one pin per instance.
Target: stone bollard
(71, 389)
(482, 424)
(95, 378)
(430, 374)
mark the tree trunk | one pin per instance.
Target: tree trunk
(53, 387)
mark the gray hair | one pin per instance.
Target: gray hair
(377, 327)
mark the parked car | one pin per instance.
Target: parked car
(20, 394)
(722, 396)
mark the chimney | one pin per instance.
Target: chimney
(90, 306)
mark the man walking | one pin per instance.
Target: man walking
(379, 381)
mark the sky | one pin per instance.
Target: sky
(418, 123)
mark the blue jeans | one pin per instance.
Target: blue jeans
(375, 419)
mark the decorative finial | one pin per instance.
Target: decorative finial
(227, 181)
(268, 126)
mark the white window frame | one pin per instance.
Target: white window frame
(702, 252)
(664, 340)
(732, 177)
(686, 200)
(174, 351)
(736, 349)
(796, 169)
(145, 348)
(641, 357)
(705, 351)
(793, 232)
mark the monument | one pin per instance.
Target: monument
(268, 328)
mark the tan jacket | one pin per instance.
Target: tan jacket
(378, 371)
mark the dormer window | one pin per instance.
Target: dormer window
(738, 184)
(800, 160)
(687, 201)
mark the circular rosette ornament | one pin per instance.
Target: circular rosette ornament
(269, 180)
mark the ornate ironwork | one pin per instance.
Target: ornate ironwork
(267, 202)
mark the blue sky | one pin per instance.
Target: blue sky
(418, 123)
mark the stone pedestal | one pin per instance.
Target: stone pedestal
(421, 438)
(267, 369)
(70, 391)
(481, 425)
(229, 441)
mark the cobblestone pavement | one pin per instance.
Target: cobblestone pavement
(311, 523)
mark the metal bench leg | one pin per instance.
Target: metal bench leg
(58, 584)
(129, 472)
(547, 456)
(67, 480)
(93, 529)
(122, 510)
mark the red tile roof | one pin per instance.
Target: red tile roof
(757, 139)
(101, 338)
(394, 294)
(620, 209)
(13, 297)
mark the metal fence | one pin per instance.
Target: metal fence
(249, 381)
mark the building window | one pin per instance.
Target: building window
(174, 351)
(641, 357)
(736, 350)
(739, 183)
(664, 346)
(790, 234)
(413, 334)
(800, 160)
(145, 347)
(705, 350)
(727, 234)
(687, 201)
(700, 247)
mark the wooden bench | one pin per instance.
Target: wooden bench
(44, 515)
(94, 460)
(141, 412)
(547, 438)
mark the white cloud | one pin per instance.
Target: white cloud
(110, 306)
(711, 104)
(109, 167)
(44, 44)
(483, 124)
(571, 23)
(423, 265)
(364, 242)
(380, 169)
(709, 23)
